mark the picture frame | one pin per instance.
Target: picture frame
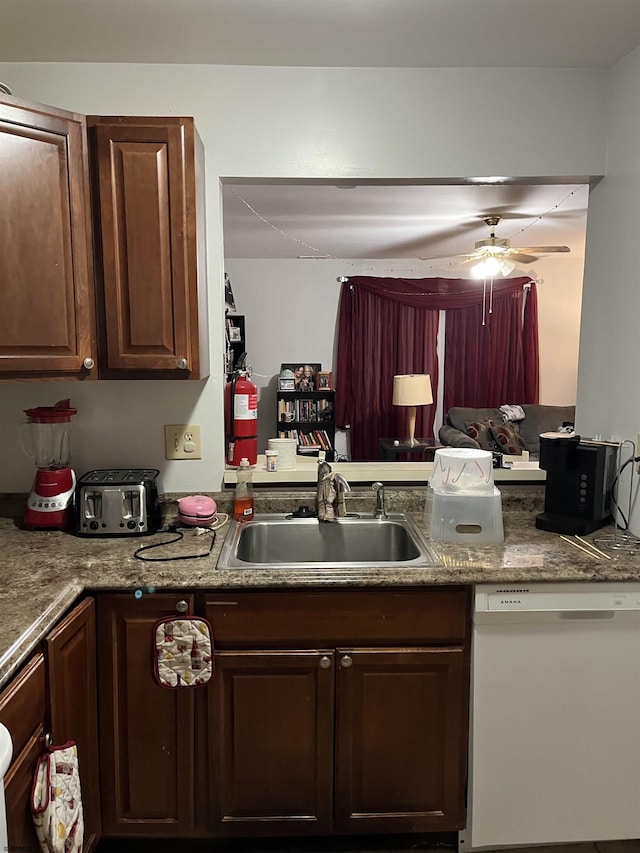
(286, 385)
(324, 380)
(235, 334)
(304, 374)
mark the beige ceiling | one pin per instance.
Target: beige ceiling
(274, 221)
(395, 33)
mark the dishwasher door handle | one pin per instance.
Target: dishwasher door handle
(586, 614)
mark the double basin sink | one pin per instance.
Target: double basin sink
(280, 541)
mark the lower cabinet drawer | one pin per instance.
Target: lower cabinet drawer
(308, 619)
(22, 704)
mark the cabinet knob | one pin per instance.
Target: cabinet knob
(183, 364)
(325, 662)
(88, 363)
(182, 606)
(346, 661)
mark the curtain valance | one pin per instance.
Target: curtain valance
(435, 294)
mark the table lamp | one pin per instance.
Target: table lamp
(412, 390)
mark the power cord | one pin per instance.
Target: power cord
(613, 493)
(138, 554)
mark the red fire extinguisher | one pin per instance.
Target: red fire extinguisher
(241, 418)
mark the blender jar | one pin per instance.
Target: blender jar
(45, 435)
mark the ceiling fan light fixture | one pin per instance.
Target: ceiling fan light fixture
(492, 266)
(486, 268)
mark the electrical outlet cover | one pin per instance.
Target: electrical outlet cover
(182, 441)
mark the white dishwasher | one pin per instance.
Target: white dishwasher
(555, 714)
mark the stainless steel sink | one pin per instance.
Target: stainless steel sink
(279, 541)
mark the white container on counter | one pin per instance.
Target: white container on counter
(286, 448)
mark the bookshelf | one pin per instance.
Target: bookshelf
(307, 416)
(235, 343)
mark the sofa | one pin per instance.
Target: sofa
(537, 418)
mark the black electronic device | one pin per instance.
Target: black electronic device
(580, 475)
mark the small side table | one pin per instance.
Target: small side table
(391, 448)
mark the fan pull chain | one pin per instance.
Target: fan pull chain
(484, 299)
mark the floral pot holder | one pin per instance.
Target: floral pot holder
(182, 649)
(56, 802)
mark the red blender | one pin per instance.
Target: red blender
(45, 439)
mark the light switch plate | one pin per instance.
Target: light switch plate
(182, 441)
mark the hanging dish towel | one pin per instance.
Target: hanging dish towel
(182, 651)
(56, 802)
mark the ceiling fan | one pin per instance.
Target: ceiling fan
(495, 256)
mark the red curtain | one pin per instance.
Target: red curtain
(531, 354)
(388, 326)
(496, 363)
(378, 338)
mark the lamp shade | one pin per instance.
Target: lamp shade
(412, 389)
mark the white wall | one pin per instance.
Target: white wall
(290, 309)
(559, 309)
(608, 382)
(294, 122)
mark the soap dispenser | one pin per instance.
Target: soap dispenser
(243, 500)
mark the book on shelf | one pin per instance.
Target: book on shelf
(315, 438)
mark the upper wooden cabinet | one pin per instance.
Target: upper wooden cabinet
(148, 189)
(143, 315)
(47, 323)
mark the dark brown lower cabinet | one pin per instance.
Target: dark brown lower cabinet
(70, 652)
(147, 732)
(55, 694)
(400, 744)
(272, 742)
(350, 735)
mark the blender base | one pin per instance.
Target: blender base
(50, 502)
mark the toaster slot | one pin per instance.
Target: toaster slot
(92, 504)
(130, 504)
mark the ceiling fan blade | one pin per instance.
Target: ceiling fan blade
(543, 250)
(520, 257)
(463, 258)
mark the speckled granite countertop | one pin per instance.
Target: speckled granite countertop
(44, 572)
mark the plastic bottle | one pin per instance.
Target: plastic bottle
(243, 501)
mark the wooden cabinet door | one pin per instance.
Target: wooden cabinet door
(147, 732)
(47, 322)
(271, 753)
(70, 652)
(149, 189)
(23, 711)
(401, 736)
